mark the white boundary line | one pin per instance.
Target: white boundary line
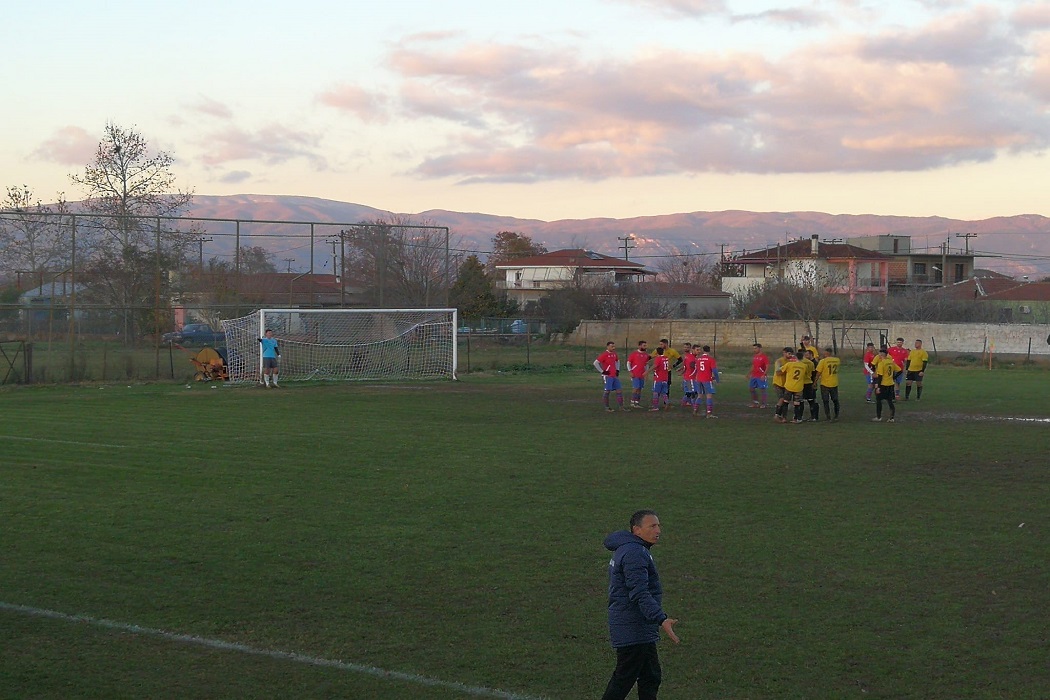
(268, 653)
(62, 442)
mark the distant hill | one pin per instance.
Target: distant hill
(1015, 237)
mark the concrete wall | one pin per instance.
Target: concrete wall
(850, 337)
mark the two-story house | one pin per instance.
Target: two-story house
(530, 279)
(912, 268)
(857, 273)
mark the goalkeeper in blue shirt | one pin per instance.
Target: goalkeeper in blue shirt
(270, 353)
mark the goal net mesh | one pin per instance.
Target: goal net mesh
(346, 344)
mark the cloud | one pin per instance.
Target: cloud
(366, 106)
(70, 145)
(235, 176)
(688, 8)
(959, 89)
(788, 16)
(212, 108)
(271, 145)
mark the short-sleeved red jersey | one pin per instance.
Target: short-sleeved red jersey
(661, 369)
(899, 355)
(705, 368)
(637, 362)
(689, 366)
(759, 365)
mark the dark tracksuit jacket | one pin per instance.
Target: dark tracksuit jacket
(635, 593)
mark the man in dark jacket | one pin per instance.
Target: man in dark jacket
(635, 613)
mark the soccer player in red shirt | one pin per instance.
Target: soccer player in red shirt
(757, 380)
(661, 379)
(899, 354)
(706, 376)
(637, 366)
(608, 363)
(688, 375)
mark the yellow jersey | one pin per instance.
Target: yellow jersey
(810, 368)
(828, 371)
(778, 372)
(885, 369)
(795, 375)
(916, 359)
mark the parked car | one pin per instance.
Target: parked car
(195, 334)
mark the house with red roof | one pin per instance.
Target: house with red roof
(859, 274)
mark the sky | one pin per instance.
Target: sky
(548, 109)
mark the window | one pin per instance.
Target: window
(960, 272)
(919, 269)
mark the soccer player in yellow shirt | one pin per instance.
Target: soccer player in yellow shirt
(778, 376)
(918, 359)
(885, 386)
(828, 376)
(809, 391)
(793, 372)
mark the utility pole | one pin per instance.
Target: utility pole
(967, 236)
(201, 240)
(626, 245)
(289, 261)
(944, 262)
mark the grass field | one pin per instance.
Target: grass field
(451, 533)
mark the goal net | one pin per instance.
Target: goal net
(345, 344)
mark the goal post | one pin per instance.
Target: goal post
(346, 344)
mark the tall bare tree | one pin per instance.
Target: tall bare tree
(128, 180)
(127, 187)
(34, 237)
(398, 262)
(686, 267)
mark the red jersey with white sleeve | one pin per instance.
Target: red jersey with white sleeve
(706, 368)
(661, 369)
(610, 364)
(637, 363)
(759, 366)
(688, 366)
(869, 357)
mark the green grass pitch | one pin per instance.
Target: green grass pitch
(451, 532)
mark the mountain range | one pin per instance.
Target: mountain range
(1013, 244)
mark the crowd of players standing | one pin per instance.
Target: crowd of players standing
(797, 376)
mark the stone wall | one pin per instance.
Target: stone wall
(850, 337)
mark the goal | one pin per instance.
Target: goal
(346, 344)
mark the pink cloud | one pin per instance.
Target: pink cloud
(366, 106)
(271, 145)
(213, 108)
(70, 145)
(957, 90)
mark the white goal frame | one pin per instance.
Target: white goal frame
(346, 344)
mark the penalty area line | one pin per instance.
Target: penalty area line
(62, 442)
(294, 657)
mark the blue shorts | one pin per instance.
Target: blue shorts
(660, 388)
(688, 386)
(757, 383)
(705, 388)
(637, 382)
(612, 384)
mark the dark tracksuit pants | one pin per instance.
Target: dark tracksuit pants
(638, 663)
